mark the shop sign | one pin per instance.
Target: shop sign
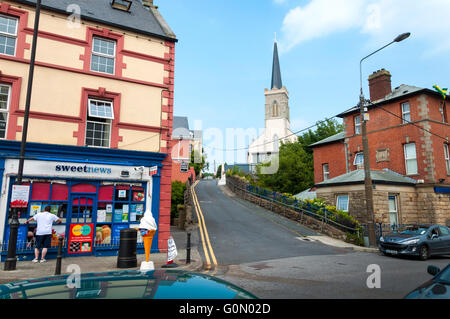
(81, 237)
(153, 170)
(184, 167)
(19, 196)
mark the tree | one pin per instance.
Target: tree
(198, 165)
(295, 172)
(296, 163)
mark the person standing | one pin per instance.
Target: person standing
(44, 221)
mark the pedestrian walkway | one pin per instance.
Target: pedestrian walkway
(28, 270)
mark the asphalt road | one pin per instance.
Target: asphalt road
(271, 257)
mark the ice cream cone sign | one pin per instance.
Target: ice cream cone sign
(147, 228)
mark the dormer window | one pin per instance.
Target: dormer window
(123, 5)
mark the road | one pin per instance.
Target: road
(272, 257)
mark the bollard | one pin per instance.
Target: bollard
(127, 248)
(188, 249)
(59, 256)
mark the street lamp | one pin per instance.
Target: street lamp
(367, 179)
(10, 262)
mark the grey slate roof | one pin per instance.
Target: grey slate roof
(401, 91)
(334, 138)
(276, 71)
(139, 19)
(181, 127)
(384, 176)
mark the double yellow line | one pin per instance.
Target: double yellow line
(207, 249)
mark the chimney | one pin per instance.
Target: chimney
(379, 84)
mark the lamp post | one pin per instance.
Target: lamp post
(368, 187)
(11, 259)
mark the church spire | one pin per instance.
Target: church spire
(276, 72)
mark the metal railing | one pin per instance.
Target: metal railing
(300, 207)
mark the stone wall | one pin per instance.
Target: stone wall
(238, 185)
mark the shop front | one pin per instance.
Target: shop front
(95, 198)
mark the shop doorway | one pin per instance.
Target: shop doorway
(82, 212)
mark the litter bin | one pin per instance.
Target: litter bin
(127, 248)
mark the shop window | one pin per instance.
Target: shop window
(8, 35)
(60, 192)
(5, 98)
(40, 191)
(105, 193)
(84, 188)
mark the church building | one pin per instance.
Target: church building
(277, 125)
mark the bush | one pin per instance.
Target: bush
(178, 189)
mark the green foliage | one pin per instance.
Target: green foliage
(295, 171)
(219, 171)
(198, 167)
(296, 162)
(178, 189)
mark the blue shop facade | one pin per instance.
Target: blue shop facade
(95, 192)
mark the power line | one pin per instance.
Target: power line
(270, 142)
(409, 122)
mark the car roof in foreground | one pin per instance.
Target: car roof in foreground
(157, 284)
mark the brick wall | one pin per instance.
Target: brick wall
(334, 155)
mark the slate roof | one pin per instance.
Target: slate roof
(401, 91)
(276, 71)
(181, 127)
(334, 138)
(384, 176)
(139, 19)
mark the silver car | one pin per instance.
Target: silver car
(422, 241)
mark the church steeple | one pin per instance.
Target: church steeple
(276, 71)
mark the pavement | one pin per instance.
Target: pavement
(342, 244)
(29, 270)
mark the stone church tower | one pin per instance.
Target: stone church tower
(277, 125)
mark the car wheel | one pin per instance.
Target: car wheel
(423, 252)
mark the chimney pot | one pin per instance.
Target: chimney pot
(379, 84)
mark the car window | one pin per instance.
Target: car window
(444, 230)
(444, 276)
(434, 231)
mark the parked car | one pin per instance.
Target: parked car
(157, 284)
(436, 288)
(422, 241)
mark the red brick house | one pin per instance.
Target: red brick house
(408, 133)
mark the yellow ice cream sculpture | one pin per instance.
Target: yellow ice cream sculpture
(147, 227)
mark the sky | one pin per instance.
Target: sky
(223, 58)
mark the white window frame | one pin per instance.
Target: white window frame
(338, 199)
(447, 158)
(326, 172)
(393, 211)
(406, 113)
(356, 156)
(357, 125)
(11, 35)
(408, 159)
(108, 122)
(101, 101)
(100, 54)
(8, 104)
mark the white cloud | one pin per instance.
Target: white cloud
(379, 19)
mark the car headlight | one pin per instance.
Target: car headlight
(382, 239)
(411, 241)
